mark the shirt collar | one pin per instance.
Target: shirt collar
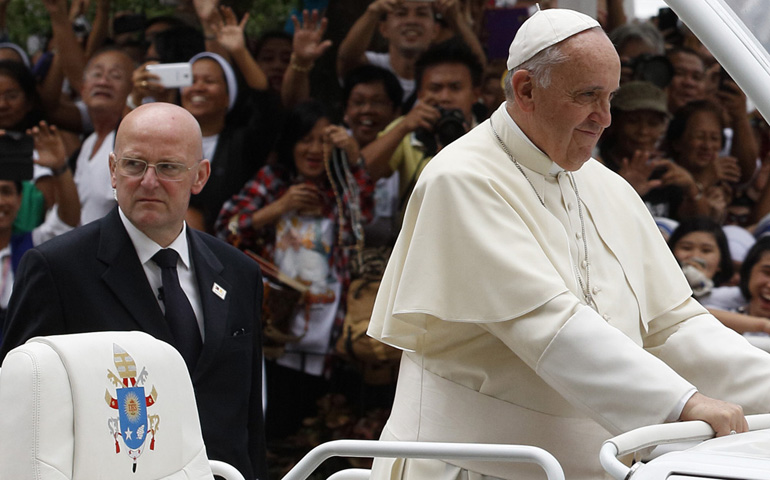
(554, 169)
(146, 247)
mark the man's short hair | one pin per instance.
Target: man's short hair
(107, 49)
(686, 50)
(373, 74)
(269, 35)
(179, 44)
(452, 51)
(539, 68)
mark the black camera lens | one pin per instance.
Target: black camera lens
(655, 69)
(450, 126)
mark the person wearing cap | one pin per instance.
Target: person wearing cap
(630, 148)
(534, 298)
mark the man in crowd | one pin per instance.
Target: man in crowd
(106, 85)
(111, 275)
(534, 297)
(448, 77)
(409, 28)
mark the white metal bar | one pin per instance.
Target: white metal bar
(460, 451)
(225, 470)
(654, 435)
(732, 44)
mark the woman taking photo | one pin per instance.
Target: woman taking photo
(290, 215)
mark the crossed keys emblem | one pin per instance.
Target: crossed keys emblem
(133, 425)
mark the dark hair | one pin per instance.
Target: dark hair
(178, 44)
(299, 122)
(171, 20)
(26, 81)
(689, 51)
(373, 74)
(681, 117)
(270, 35)
(452, 51)
(751, 260)
(711, 226)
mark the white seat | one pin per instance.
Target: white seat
(351, 474)
(436, 450)
(116, 405)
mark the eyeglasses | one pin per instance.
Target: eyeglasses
(112, 74)
(133, 167)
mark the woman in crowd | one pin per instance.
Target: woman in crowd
(755, 287)
(19, 111)
(694, 140)
(700, 245)
(237, 135)
(290, 215)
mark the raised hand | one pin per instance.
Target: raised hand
(230, 31)
(49, 145)
(308, 45)
(338, 137)
(639, 167)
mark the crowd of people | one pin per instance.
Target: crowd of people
(683, 135)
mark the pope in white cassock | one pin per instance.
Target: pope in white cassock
(532, 293)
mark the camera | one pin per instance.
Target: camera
(655, 69)
(449, 127)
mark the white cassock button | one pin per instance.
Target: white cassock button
(570, 206)
(596, 290)
(584, 264)
(578, 235)
(606, 317)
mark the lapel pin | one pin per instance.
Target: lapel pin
(219, 291)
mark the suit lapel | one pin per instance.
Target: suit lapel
(211, 287)
(125, 276)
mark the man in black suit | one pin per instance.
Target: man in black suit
(102, 277)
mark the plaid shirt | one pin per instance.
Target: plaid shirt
(268, 186)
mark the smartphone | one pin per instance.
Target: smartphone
(16, 156)
(172, 75)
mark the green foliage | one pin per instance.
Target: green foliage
(27, 17)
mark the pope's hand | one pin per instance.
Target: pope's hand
(724, 417)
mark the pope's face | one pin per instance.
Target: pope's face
(570, 114)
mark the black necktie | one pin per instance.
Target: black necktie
(179, 313)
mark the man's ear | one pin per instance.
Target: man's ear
(113, 174)
(523, 86)
(201, 177)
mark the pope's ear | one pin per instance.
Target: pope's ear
(523, 86)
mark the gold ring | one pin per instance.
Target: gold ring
(144, 84)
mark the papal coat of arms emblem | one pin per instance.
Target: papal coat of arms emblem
(133, 425)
